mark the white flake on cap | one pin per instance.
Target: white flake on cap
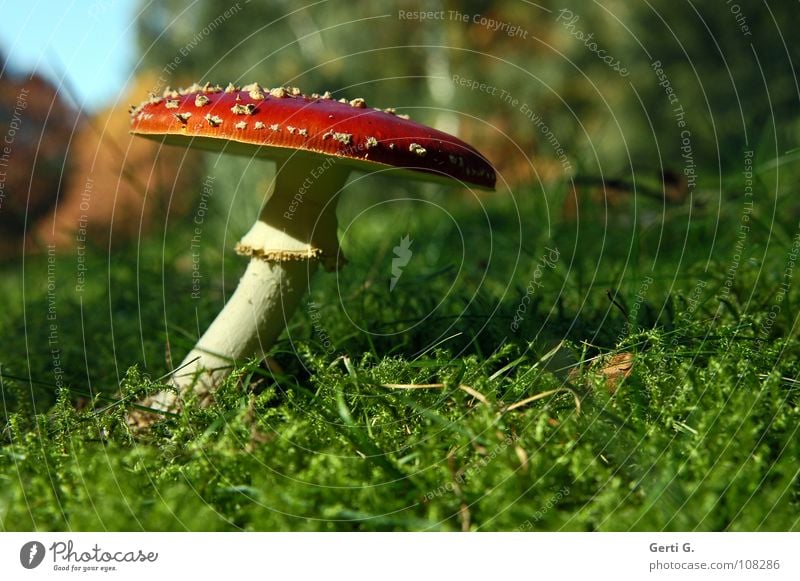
(240, 109)
(213, 120)
(418, 149)
(255, 91)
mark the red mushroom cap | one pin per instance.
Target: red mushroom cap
(274, 123)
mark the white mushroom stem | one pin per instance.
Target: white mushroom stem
(295, 231)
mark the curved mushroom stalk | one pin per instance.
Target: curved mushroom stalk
(295, 231)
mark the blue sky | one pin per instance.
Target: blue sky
(94, 40)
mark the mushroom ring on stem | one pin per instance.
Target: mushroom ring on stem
(316, 142)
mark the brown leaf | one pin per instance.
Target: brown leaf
(615, 369)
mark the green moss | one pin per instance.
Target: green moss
(701, 435)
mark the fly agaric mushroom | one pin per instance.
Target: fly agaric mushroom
(316, 142)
